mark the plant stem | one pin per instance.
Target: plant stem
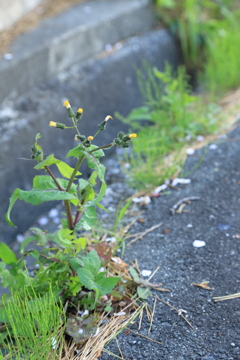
(54, 179)
(69, 214)
(101, 147)
(80, 160)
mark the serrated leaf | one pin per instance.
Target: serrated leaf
(92, 262)
(66, 170)
(47, 162)
(45, 182)
(36, 197)
(7, 255)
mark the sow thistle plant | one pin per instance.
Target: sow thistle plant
(63, 265)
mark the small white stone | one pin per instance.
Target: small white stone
(120, 313)
(212, 147)
(80, 331)
(19, 238)
(200, 138)
(146, 272)
(43, 221)
(189, 225)
(190, 151)
(118, 45)
(108, 47)
(144, 200)
(180, 181)
(111, 239)
(56, 220)
(8, 56)
(199, 243)
(53, 213)
(159, 189)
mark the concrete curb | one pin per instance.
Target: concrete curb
(101, 86)
(72, 37)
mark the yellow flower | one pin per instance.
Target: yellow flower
(80, 110)
(66, 104)
(90, 138)
(108, 117)
(132, 136)
(53, 123)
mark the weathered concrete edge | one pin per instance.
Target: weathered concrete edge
(32, 66)
(100, 90)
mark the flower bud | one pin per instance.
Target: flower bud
(71, 113)
(90, 138)
(107, 118)
(79, 113)
(53, 123)
(57, 125)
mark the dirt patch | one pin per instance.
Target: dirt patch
(46, 9)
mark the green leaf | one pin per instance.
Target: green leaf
(134, 273)
(12, 201)
(81, 243)
(76, 263)
(46, 182)
(99, 196)
(83, 184)
(7, 255)
(92, 262)
(65, 169)
(89, 216)
(76, 152)
(98, 153)
(47, 162)
(102, 207)
(106, 285)
(94, 163)
(26, 242)
(93, 178)
(143, 293)
(36, 197)
(43, 182)
(65, 236)
(86, 278)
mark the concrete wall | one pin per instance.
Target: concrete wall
(13, 10)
